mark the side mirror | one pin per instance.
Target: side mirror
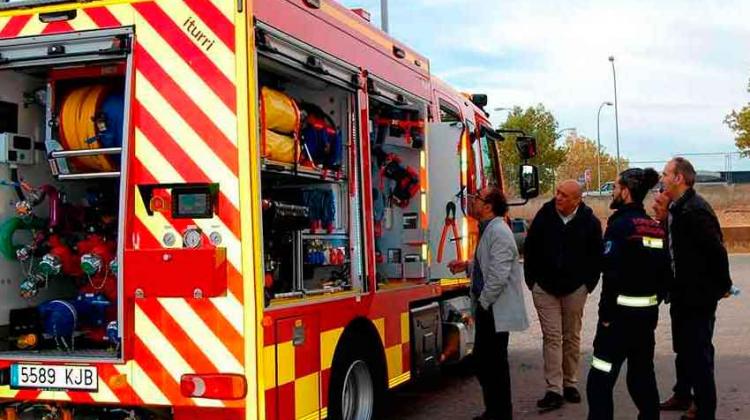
(526, 147)
(492, 134)
(528, 181)
(479, 99)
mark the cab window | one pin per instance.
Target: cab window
(448, 112)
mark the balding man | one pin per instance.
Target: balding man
(562, 264)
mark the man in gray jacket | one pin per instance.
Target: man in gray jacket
(497, 290)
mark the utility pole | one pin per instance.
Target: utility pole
(384, 15)
(617, 123)
(599, 147)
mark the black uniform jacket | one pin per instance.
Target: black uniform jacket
(561, 257)
(700, 259)
(636, 261)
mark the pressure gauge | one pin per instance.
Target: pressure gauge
(169, 239)
(215, 238)
(192, 238)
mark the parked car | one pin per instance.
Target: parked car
(606, 189)
(520, 228)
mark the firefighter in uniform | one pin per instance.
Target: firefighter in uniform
(635, 274)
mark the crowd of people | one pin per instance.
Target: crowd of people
(677, 256)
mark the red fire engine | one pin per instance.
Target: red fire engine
(228, 209)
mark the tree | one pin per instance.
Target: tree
(739, 122)
(540, 123)
(581, 156)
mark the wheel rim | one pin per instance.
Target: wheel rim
(358, 395)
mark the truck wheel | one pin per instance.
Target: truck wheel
(353, 390)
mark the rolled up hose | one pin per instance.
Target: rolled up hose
(280, 112)
(78, 112)
(9, 227)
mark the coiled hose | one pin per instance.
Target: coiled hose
(78, 112)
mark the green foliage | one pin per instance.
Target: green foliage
(582, 155)
(739, 122)
(540, 123)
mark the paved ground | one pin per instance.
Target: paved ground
(455, 394)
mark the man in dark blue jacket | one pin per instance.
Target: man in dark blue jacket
(636, 271)
(562, 264)
(701, 278)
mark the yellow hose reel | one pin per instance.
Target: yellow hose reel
(82, 121)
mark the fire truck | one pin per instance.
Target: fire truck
(228, 209)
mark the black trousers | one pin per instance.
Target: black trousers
(630, 338)
(491, 358)
(692, 341)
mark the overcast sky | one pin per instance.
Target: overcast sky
(681, 65)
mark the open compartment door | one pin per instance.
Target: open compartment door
(446, 191)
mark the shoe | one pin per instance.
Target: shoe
(571, 394)
(551, 401)
(690, 414)
(676, 403)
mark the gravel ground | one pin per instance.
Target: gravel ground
(455, 394)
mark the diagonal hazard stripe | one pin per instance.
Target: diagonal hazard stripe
(219, 325)
(14, 26)
(155, 371)
(226, 8)
(203, 141)
(83, 397)
(186, 166)
(33, 27)
(201, 34)
(83, 22)
(144, 391)
(174, 36)
(215, 19)
(205, 102)
(57, 27)
(199, 332)
(165, 365)
(122, 393)
(231, 308)
(183, 344)
(102, 17)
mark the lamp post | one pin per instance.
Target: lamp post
(617, 124)
(573, 129)
(599, 147)
(502, 108)
(384, 15)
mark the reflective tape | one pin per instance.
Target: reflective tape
(656, 243)
(637, 301)
(600, 364)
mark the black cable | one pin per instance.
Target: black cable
(17, 184)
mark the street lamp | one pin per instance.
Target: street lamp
(502, 108)
(599, 147)
(384, 15)
(573, 129)
(617, 125)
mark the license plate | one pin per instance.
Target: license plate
(83, 378)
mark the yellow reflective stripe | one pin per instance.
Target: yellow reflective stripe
(601, 365)
(656, 243)
(637, 301)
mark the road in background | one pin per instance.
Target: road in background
(455, 394)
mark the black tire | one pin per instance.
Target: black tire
(356, 384)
